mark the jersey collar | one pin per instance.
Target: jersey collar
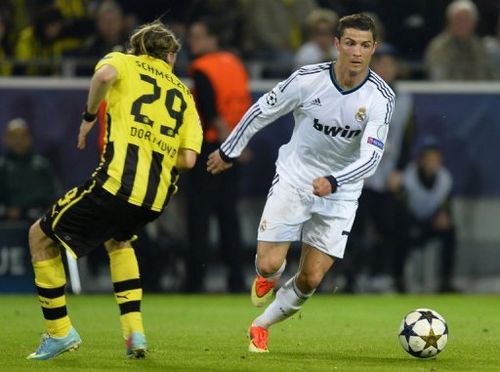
(339, 88)
(162, 61)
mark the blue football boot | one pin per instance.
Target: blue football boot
(51, 347)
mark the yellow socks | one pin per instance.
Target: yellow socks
(50, 280)
(128, 289)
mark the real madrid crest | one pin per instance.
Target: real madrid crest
(263, 225)
(360, 115)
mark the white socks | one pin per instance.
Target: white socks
(289, 299)
(273, 276)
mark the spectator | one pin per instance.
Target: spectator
(78, 17)
(222, 97)
(228, 12)
(109, 35)
(73, 10)
(275, 31)
(5, 46)
(19, 14)
(41, 45)
(458, 53)
(410, 25)
(493, 45)
(321, 26)
(27, 185)
(425, 187)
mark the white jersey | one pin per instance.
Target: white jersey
(392, 149)
(339, 133)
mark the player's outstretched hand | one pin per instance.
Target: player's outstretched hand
(85, 128)
(322, 187)
(215, 164)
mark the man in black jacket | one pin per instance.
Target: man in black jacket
(27, 185)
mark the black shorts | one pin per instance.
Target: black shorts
(87, 216)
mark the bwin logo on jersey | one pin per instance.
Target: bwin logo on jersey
(360, 115)
(334, 131)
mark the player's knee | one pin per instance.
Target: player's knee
(34, 235)
(41, 246)
(112, 245)
(308, 282)
(268, 265)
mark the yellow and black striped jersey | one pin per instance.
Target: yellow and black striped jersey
(150, 115)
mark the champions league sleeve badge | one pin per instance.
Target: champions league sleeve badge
(271, 98)
(376, 142)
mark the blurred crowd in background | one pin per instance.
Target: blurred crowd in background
(67, 37)
(403, 206)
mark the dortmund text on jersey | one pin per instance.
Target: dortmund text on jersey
(150, 115)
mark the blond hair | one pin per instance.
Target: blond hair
(153, 39)
(322, 15)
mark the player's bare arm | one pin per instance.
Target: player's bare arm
(99, 86)
(186, 159)
(215, 164)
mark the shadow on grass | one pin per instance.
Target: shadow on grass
(338, 357)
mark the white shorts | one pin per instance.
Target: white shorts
(292, 214)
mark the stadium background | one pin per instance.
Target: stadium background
(463, 115)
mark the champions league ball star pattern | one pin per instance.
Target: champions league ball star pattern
(423, 333)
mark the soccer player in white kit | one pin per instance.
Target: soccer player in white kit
(342, 111)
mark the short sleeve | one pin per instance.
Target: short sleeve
(115, 59)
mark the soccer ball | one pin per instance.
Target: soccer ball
(423, 333)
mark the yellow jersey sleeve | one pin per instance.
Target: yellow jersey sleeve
(115, 59)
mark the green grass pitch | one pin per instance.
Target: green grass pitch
(208, 333)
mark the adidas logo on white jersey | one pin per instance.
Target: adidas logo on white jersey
(316, 102)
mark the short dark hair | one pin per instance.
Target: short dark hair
(357, 21)
(427, 144)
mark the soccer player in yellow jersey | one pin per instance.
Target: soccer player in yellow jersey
(153, 132)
